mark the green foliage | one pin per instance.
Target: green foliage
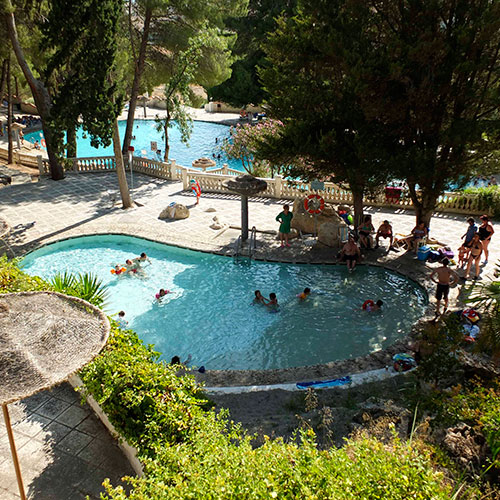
(439, 342)
(478, 404)
(86, 286)
(244, 86)
(489, 198)
(81, 38)
(12, 279)
(148, 404)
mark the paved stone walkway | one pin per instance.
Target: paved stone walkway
(64, 450)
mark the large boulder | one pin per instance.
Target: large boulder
(328, 234)
(309, 224)
(174, 211)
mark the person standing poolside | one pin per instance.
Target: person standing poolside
(471, 231)
(485, 232)
(285, 218)
(445, 278)
(350, 253)
(476, 249)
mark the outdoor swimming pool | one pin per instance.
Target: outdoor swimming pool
(201, 144)
(210, 314)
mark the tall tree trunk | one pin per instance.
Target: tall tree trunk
(167, 145)
(40, 93)
(357, 200)
(120, 169)
(139, 70)
(3, 80)
(71, 142)
(10, 156)
(17, 87)
(424, 206)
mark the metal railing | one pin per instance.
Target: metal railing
(252, 247)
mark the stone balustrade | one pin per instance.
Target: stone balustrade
(277, 187)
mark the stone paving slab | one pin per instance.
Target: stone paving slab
(65, 452)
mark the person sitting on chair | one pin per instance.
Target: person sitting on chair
(384, 231)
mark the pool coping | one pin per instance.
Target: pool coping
(231, 378)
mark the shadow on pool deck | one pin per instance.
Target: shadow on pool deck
(65, 452)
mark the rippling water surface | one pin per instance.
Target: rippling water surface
(210, 313)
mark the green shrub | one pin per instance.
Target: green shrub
(489, 198)
(87, 286)
(12, 279)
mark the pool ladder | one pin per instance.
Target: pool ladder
(239, 253)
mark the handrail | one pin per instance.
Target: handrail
(253, 243)
(237, 250)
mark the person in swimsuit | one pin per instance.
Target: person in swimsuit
(384, 231)
(445, 278)
(259, 298)
(364, 231)
(485, 232)
(285, 219)
(476, 249)
(350, 253)
(419, 232)
(303, 296)
(273, 303)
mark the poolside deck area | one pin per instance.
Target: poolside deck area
(65, 453)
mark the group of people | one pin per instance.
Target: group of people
(271, 302)
(131, 266)
(476, 242)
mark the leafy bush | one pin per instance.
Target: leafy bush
(12, 279)
(477, 405)
(489, 198)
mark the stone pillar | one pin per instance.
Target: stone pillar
(244, 218)
(224, 169)
(185, 181)
(278, 186)
(39, 161)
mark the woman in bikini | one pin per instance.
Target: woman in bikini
(485, 232)
(419, 232)
(365, 230)
(476, 249)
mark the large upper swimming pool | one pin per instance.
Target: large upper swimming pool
(209, 312)
(201, 144)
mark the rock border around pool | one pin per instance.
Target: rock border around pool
(373, 361)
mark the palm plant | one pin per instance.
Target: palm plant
(87, 286)
(487, 295)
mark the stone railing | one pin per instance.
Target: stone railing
(277, 187)
(20, 158)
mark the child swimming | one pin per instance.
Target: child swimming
(273, 303)
(259, 298)
(161, 294)
(303, 296)
(122, 322)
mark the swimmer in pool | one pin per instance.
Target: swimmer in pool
(130, 267)
(161, 294)
(273, 302)
(142, 259)
(369, 306)
(259, 298)
(303, 296)
(122, 322)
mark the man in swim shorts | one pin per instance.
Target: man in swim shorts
(445, 278)
(384, 231)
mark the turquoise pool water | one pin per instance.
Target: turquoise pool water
(201, 144)
(210, 314)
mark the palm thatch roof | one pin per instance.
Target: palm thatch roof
(44, 338)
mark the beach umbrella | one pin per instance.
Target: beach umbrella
(44, 338)
(245, 185)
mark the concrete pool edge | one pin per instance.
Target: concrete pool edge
(376, 360)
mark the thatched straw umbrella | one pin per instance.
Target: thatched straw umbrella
(245, 185)
(44, 338)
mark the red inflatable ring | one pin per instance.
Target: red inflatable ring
(314, 204)
(43, 143)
